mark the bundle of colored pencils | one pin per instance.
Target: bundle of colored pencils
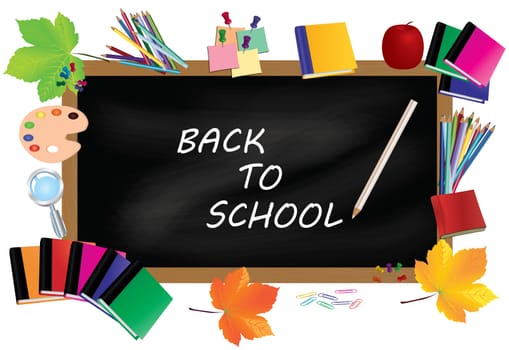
(140, 31)
(461, 140)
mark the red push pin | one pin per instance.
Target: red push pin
(377, 279)
(227, 20)
(401, 278)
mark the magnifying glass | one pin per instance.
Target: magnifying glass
(45, 188)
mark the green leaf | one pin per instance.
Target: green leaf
(40, 32)
(65, 30)
(30, 63)
(50, 53)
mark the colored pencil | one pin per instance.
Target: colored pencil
(141, 23)
(476, 152)
(443, 141)
(120, 52)
(471, 150)
(157, 69)
(460, 138)
(389, 147)
(134, 38)
(124, 28)
(141, 49)
(448, 151)
(152, 25)
(161, 46)
(122, 57)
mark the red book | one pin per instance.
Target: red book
(457, 213)
(54, 260)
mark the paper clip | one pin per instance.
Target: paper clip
(306, 295)
(344, 291)
(325, 305)
(355, 303)
(327, 296)
(341, 302)
(308, 301)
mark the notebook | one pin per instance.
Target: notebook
(442, 40)
(25, 275)
(457, 213)
(109, 268)
(136, 300)
(463, 89)
(324, 50)
(475, 54)
(83, 259)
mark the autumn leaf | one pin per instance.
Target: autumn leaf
(241, 303)
(453, 277)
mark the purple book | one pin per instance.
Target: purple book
(464, 89)
(83, 260)
(111, 265)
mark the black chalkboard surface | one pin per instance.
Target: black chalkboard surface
(206, 171)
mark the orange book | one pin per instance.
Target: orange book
(25, 275)
(457, 213)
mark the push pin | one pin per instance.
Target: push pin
(64, 75)
(389, 267)
(222, 36)
(398, 267)
(73, 67)
(61, 83)
(227, 20)
(82, 83)
(379, 269)
(78, 88)
(401, 278)
(377, 279)
(245, 44)
(254, 24)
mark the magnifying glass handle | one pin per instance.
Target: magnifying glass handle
(58, 223)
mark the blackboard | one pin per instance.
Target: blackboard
(296, 157)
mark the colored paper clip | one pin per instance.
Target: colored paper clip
(341, 302)
(325, 305)
(327, 296)
(355, 303)
(308, 301)
(344, 291)
(306, 295)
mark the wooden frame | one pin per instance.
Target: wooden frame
(281, 275)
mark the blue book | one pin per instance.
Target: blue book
(106, 272)
(463, 89)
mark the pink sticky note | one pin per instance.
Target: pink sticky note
(222, 57)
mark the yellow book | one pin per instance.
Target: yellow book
(324, 50)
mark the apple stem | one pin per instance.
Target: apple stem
(206, 311)
(411, 301)
(409, 22)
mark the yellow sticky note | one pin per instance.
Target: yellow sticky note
(249, 63)
(231, 35)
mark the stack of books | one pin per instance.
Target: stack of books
(69, 270)
(466, 59)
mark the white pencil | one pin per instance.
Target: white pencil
(383, 158)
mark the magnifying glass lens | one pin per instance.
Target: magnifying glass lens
(45, 187)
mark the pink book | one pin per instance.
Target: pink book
(83, 259)
(475, 54)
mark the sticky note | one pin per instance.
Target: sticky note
(222, 57)
(258, 40)
(231, 35)
(249, 63)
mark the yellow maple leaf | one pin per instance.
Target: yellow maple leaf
(453, 277)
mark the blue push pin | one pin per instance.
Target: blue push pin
(254, 24)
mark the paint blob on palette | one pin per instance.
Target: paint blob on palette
(43, 132)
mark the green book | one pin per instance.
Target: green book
(136, 300)
(442, 40)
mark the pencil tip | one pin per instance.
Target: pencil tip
(356, 211)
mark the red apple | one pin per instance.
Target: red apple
(402, 46)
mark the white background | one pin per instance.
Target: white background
(381, 321)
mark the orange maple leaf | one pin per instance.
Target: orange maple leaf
(241, 303)
(453, 277)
